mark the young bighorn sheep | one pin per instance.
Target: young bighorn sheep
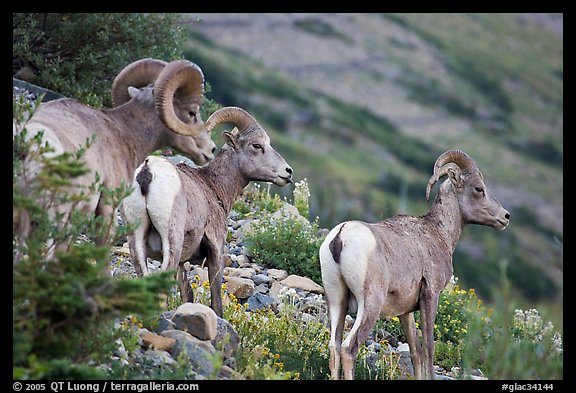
(157, 105)
(397, 266)
(182, 211)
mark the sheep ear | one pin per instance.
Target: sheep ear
(132, 91)
(232, 138)
(454, 176)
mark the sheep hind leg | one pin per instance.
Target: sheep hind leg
(337, 312)
(360, 330)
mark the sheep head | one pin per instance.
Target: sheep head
(176, 90)
(476, 202)
(256, 157)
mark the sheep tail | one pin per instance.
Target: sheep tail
(144, 178)
(335, 246)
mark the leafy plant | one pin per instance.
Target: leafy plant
(286, 243)
(510, 343)
(79, 54)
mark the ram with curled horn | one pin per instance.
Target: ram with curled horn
(157, 105)
(399, 265)
(181, 212)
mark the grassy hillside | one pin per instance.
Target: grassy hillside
(362, 105)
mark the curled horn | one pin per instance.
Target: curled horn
(447, 160)
(230, 114)
(138, 74)
(183, 80)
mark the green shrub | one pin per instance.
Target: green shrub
(510, 343)
(286, 243)
(80, 54)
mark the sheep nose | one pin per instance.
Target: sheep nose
(213, 149)
(289, 170)
(507, 215)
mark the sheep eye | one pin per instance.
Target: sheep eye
(257, 146)
(479, 189)
(192, 114)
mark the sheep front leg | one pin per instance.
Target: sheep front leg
(215, 274)
(409, 328)
(186, 293)
(428, 309)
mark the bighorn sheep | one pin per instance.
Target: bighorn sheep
(183, 211)
(157, 105)
(397, 266)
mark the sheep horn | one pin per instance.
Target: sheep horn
(138, 74)
(184, 80)
(445, 162)
(230, 114)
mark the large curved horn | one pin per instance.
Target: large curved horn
(138, 74)
(230, 114)
(185, 80)
(446, 161)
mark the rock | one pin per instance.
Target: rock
(277, 274)
(197, 319)
(228, 262)
(202, 272)
(123, 250)
(405, 364)
(165, 323)
(261, 279)
(295, 281)
(229, 373)
(242, 260)
(158, 358)
(244, 272)
(403, 347)
(240, 287)
(259, 300)
(182, 335)
(261, 288)
(155, 341)
(291, 212)
(276, 290)
(227, 339)
(197, 353)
